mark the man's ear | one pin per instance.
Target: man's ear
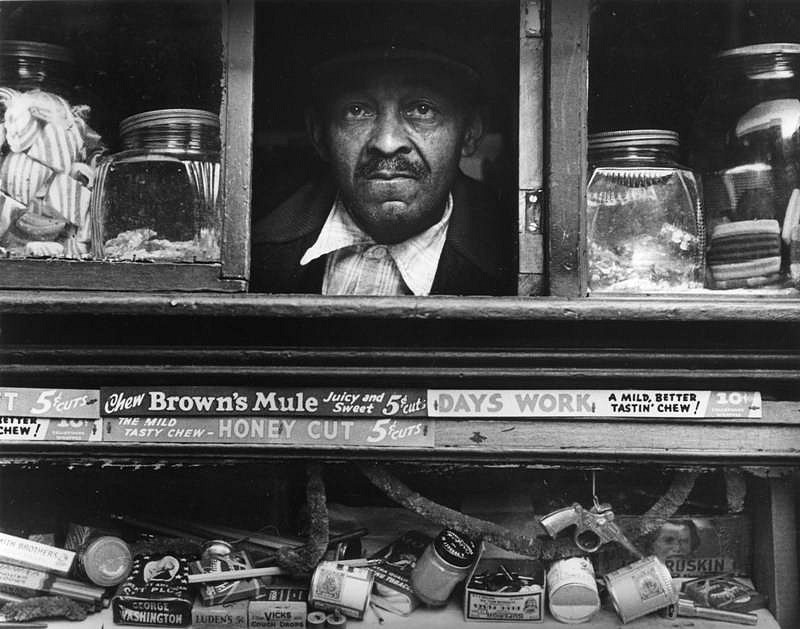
(472, 135)
(315, 127)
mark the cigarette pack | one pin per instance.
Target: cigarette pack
(156, 593)
(228, 616)
(24, 552)
(277, 614)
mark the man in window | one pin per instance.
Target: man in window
(394, 215)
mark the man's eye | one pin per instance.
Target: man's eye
(420, 111)
(354, 112)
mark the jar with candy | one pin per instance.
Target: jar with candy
(444, 564)
(746, 146)
(158, 198)
(47, 154)
(645, 230)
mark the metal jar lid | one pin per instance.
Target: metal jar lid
(634, 138)
(35, 49)
(779, 60)
(27, 65)
(165, 129)
(106, 561)
(455, 548)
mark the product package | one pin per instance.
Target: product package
(392, 586)
(277, 614)
(505, 589)
(156, 593)
(219, 592)
(690, 546)
(227, 616)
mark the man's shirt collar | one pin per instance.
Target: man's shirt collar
(417, 258)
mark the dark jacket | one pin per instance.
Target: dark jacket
(474, 259)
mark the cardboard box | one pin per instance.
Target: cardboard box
(227, 616)
(277, 614)
(524, 605)
(690, 546)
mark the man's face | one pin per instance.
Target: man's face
(673, 540)
(394, 136)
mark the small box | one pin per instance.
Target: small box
(284, 614)
(156, 593)
(280, 592)
(689, 545)
(228, 616)
(515, 604)
(30, 554)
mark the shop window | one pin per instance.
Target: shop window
(114, 121)
(292, 41)
(693, 140)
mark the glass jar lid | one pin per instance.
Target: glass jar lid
(634, 138)
(165, 129)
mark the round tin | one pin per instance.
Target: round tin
(572, 590)
(641, 588)
(316, 620)
(336, 587)
(106, 560)
(335, 621)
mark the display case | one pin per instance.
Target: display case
(118, 168)
(128, 325)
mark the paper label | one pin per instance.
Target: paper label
(228, 401)
(34, 429)
(388, 433)
(51, 403)
(593, 403)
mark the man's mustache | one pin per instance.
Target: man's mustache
(397, 164)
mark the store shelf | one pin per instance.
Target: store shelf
(452, 618)
(774, 439)
(776, 308)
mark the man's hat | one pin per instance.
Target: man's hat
(431, 35)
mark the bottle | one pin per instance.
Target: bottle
(645, 229)
(444, 564)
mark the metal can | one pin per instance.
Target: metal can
(444, 564)
(103, 559)
(641, 588)
(572, 590)
(337, 587)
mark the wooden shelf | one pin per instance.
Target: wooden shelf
(773, 440)
(782, 308)
(452, 617)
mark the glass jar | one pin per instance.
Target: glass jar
(645, 222)
(444, 563)
(746, 147)
(47, 154)
(158, 198)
